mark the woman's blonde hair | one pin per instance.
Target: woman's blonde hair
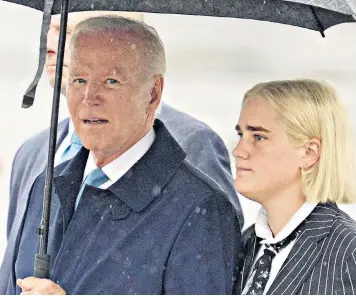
(310, 109)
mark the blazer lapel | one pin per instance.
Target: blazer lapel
(250, 250)
(305, 253)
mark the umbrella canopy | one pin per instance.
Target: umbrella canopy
(311, 14)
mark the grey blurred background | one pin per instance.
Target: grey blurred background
(211, 63)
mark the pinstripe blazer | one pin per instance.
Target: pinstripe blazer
(322, 261)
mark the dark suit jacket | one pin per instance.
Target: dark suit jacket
(205, 149)
(164, 227)
(323, 260)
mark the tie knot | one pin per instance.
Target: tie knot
(268, 251)
(75, 139)
(96, 178)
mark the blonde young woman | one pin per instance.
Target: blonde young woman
(294, 158)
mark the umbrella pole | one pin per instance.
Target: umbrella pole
(42, 259)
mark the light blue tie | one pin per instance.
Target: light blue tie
(73, 149)
(96, 178)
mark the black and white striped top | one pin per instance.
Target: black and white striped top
(323, 260)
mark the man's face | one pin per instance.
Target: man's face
(109, 104)
(53, 36)
(52, 47)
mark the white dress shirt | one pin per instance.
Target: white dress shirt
(264, 232)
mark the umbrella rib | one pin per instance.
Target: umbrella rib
(318, 22)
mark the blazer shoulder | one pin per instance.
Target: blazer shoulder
(196, 175)
(345, 224)
(188, 125)
(34, 143)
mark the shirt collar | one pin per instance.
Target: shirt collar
(119, 167)
(263, 230)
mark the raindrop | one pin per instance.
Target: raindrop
(197, 210)
(98, 261)
(156, 190)
(189, 224)
(198, 256)
(101, 218)
(203, 212)
(92, 6)
(133, 46)
(153, 269)
(127, 263)
(110, 206)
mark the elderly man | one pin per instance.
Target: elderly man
(204, 147)
(130, 214)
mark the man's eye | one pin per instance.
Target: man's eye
(111, 81)
(239, 135)
(79, 81)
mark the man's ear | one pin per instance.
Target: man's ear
(312, 153)
(156, 93)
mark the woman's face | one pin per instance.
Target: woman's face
(267, 165)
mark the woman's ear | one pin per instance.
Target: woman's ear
(312, 153)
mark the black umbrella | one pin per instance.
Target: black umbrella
(308, 14)
(312, 14)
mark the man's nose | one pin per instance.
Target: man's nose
(52, 41)
(92, 94)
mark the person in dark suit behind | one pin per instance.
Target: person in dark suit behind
(294, 158)
(129, 213)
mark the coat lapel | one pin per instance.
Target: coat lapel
(305, 253)
(67, 182)
(250, 249)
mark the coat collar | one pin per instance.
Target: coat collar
(141, 184)
(149, 176)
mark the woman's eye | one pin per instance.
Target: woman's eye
(259, 137)
(111, 81)
(239, 135)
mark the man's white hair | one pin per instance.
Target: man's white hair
(144, 35)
